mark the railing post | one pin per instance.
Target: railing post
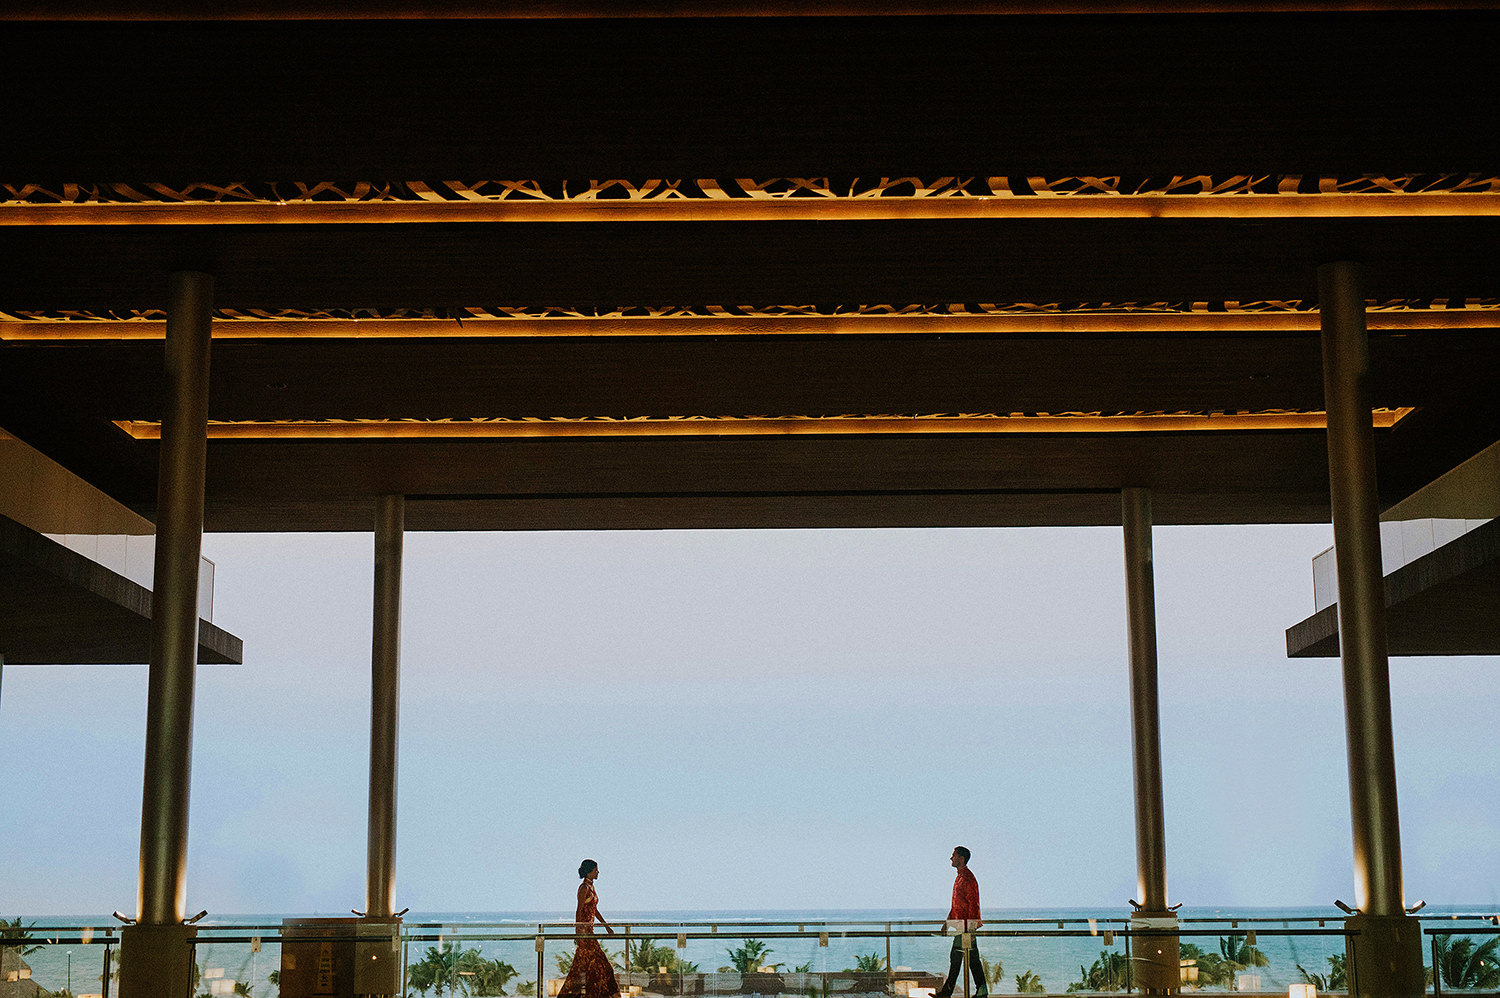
(1393, 964)
(965, 942)
(889, 974)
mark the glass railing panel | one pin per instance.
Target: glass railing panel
(1325, 580)
(67, 962)
(919, 958)
(469, 961)
(856, 959)
(1401, 543)
(1462, 954)
(242, 959)
(249, 967)
(1089, 955)
(1262, 955)
(206, 589)
(134, 557)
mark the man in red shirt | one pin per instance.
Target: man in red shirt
(965, 913)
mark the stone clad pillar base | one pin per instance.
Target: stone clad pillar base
(1384, 959)
(156, 961)
(1154, 959)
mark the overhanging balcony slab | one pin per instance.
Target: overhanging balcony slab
(59, 608)
(1443, 603)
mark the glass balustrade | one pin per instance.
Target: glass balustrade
(816, 959)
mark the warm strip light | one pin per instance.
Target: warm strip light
(299, 10)
(37, 330)
(770, 426)
(1331, 205)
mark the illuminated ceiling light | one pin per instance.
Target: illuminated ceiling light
(386, 429)
(274, 10)
(727, 323)
(742, 199)
(1443, 205)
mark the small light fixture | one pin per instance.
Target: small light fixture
(1302, 991)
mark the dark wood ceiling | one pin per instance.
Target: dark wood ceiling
(1341, 95)
(1333, 94)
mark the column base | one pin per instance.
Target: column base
(1154, 960)
(341, 957)
(377, 956)
(1385, 959)
(156, 961)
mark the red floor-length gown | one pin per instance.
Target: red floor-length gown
(591, 975)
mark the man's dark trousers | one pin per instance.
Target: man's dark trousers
(956, 967)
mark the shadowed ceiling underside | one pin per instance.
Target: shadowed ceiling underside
(900, 271)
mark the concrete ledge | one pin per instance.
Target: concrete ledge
(59, 608)
(1441, 604)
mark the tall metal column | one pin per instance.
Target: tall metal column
(1362, 642)
(174, 602)
(155, 953)
(385, 697)
(1145, 719)
(1155, 957)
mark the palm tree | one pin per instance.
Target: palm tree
(1236, 954)
(1462, 965)
(481, 977)
(1337, 978)
(748, 958)
(438, 970)
(646, 955)
(13, 936)
(1107, 974)
(867, 963)
(1028, 984)
(994, 972)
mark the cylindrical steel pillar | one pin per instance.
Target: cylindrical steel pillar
(385, 701)
(1361, 595)
(1145, 717)
(174, 602)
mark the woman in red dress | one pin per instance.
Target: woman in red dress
(591, 975)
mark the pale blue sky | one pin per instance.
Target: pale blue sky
(777, 719)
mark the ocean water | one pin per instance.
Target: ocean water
(1057, 960)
